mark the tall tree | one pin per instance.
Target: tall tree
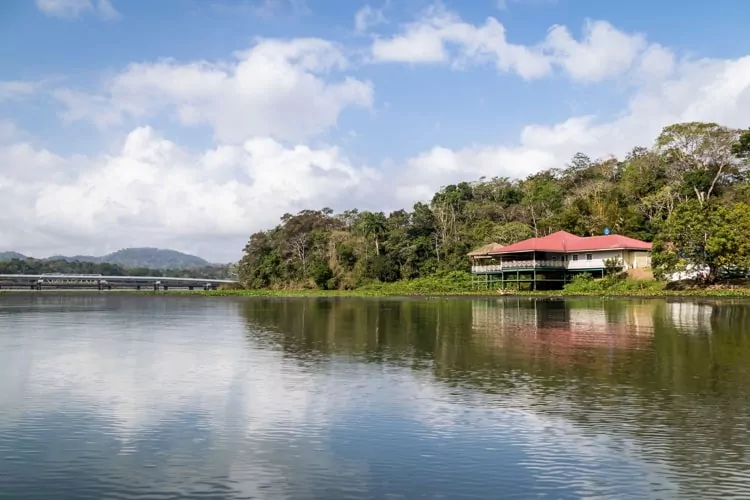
(704, 237)
(700, 157)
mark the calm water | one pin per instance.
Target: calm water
(120, 396)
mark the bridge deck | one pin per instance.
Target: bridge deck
(113, 279)
(100, 281)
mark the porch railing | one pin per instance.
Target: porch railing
(519, 264)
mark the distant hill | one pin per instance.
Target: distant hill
(152, 258)
(11, 255)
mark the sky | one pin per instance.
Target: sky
(191, 124)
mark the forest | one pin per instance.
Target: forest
(688, 193)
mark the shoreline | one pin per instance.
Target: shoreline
(643, 294)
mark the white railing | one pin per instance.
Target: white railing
(518, 264)
(487, 269)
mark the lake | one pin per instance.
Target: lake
(160, 397)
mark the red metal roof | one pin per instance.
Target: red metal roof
(562, 241)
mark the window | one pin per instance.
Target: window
(589, 256)
(575, 257)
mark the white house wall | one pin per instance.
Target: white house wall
(597, 259)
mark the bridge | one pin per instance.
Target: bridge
(100, 282)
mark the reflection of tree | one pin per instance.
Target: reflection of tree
(628, 369)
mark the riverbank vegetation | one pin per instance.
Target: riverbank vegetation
(52, 266)
(689, 193)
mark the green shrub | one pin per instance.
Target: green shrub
(613, 284)
(443, 283)
(321, 274)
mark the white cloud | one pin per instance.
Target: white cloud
(367, 17)
(15, 89)
(603, 52)
(72, 9)
(702, 90)
(277, 88)
(441, 36)
(155, 193)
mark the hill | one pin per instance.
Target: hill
(11, 255)
(151, 258)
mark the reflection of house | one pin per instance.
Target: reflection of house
(691, 316)
(528, 324)
(550, 261)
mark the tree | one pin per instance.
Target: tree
(741, 148)
(700, 156)
(706, 237)
(372, 225)
(542, 199)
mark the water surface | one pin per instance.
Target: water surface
(126, 396)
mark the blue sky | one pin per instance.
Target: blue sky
(191, 123)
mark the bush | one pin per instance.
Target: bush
(231, 286)
(445, 282)
(586, 284)
(322, 275)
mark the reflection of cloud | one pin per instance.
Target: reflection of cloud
(150, 369)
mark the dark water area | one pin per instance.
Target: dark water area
(126, 396)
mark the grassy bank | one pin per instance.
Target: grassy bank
(460, 284)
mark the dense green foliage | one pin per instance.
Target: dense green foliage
(694, 179)
(48, 266)
(585, 284)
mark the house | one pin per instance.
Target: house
(550, 261)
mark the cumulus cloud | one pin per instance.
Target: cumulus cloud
(155, 193)
(72, 9)
(603, 52)
(278, 88)
(701, 90)
(440, 36)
